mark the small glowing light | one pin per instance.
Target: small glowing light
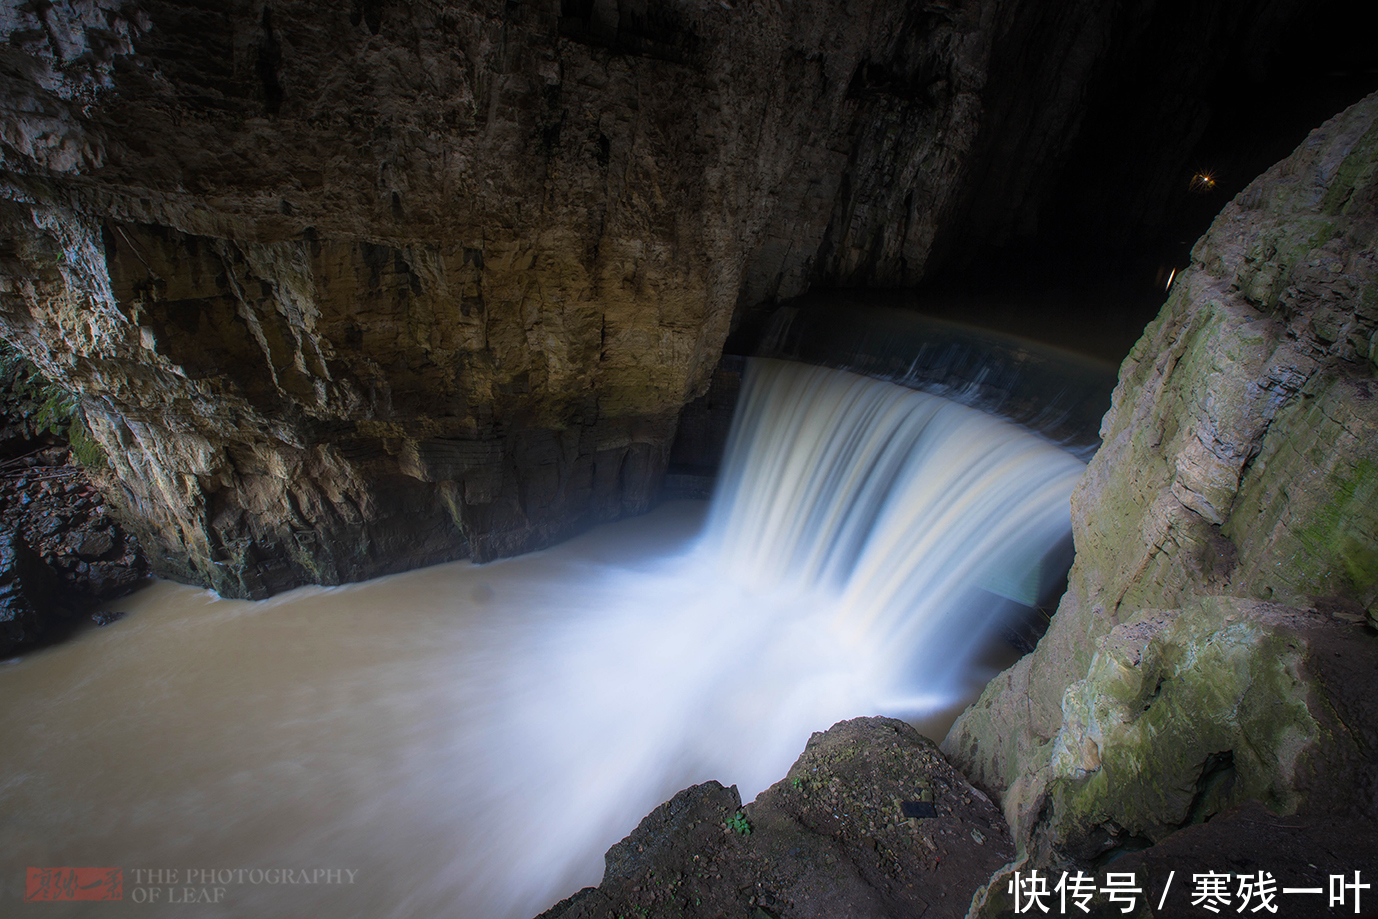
(1201, 183)
(1168, 285)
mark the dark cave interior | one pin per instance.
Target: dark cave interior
(1183, 90)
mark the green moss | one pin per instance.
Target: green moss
(1356, 171)
(1214, 712)
(85, 449)
(33, 405)
(307, 560)
(1336, 530)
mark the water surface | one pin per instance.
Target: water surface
(468, 740)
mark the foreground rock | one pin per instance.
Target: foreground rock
(1185, 713)
(829, 840)
(1237, 468)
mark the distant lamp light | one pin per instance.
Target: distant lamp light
(1202, 183)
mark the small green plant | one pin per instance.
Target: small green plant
(32, 405)
(737, 823)
(85, 449)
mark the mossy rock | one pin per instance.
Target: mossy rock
(1185, 713)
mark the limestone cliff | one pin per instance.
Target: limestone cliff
(1226, 542)
(359, 287)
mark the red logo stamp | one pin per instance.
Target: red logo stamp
(48, 884)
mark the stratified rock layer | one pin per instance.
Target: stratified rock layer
(1237, 467)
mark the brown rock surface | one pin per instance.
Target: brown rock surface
(354, 291)
(348, 289)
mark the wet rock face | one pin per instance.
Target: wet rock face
(1184, 713)
(1236, 468)
(831, 839)
(352, 288)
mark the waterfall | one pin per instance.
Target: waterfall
(904, 512)
(863, 541)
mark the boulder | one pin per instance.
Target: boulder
(833, 838)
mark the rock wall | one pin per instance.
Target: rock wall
(1226, 543)
(353, 288)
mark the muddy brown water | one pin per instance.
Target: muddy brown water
(461, 740)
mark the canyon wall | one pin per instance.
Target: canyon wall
(352, 289)
(1215, 642)
(355, 289)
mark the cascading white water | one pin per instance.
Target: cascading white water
(902, 511)
(475, 757)
(856, 553)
